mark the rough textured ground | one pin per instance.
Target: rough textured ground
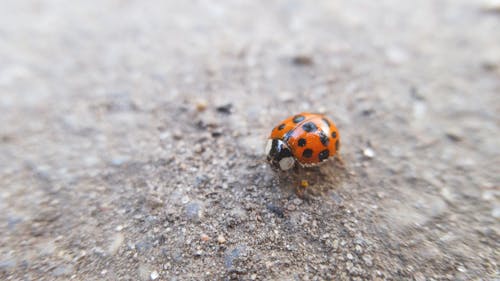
(131, 135)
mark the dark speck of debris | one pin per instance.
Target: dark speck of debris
(5, 138)
(276, 210)
(489, 65)
(225, 109)
(201, 125)
(415, 94)
(216, 134)
(493, 7)
(367, 112)
(303, 60)
(453, 136)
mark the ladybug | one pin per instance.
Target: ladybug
(306, 138)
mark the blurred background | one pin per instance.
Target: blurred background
(132, 135)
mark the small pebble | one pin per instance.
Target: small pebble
(154, 202)
(419, 110)
(221, 239)
(419, 276)
(177, 135)
(368, 152)
(336, 198)
(63, 270)
(349, 265)
(233, 254)
(358, 249)
(198, 148)
(335, 244)
(119, 160)
(143, 246)
(165, 135)
(448, 195)
(492, 6)
(201, 105)
(286, 96)
(396, 55)
(453, 134)
(495, 212)
(368, 260)
(204, 237)
(303, 60)
(154, 275)
(193, 211)
(6, 265)
(116, 243)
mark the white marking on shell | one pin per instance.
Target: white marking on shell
(286, 163)
(269, 146)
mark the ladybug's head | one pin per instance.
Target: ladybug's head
(279, 155)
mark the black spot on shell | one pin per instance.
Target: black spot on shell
(326, 122)
(302, 142)
(334, 134)
(323, 155)
(337, 145)
(298, 118)
(325, 140)
(307, 153)
(309, 127)
(281, 127)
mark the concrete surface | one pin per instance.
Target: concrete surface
(131, 138)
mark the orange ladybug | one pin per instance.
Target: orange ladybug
(306, 138)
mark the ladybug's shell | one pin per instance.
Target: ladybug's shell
(312, 138)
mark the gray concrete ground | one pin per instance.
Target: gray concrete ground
(131, 138)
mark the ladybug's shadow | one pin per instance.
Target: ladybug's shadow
(315, 181)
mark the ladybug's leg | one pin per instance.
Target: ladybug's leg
(300, 192)
(340, 161)
(300, 183)
(340, 164)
